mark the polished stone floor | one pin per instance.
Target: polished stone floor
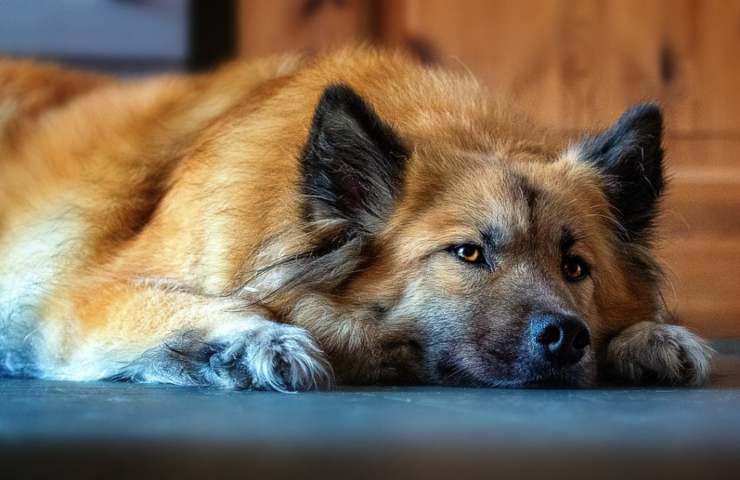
(98, 430)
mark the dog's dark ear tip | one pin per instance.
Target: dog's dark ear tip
(647, 117)
(333, 97)
(646, 109)
(337, 92)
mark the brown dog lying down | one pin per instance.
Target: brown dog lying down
(356, 218)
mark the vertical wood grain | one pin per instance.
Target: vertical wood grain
(269, 27)
(700, 247)
(580, 62)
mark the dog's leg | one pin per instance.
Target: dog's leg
(167, 336)
(245, 352)
(651, 352)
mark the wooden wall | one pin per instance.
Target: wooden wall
(575, 65)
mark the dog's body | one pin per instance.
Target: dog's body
(284, 223)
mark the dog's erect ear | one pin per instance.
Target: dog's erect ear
(353, 164)
(630, 156)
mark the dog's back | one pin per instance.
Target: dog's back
(84, 162)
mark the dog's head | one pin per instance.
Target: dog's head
(509, 265)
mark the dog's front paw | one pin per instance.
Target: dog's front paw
(650, 352)
(271, 357)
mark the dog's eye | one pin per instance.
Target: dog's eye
(469, 253)
(574, 268)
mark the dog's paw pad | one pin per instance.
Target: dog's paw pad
(650, 352)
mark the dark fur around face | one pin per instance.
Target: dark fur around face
(439, 319)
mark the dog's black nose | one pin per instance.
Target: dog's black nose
(563, 338)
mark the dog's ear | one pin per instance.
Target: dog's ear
(630, 156)
(352, 165)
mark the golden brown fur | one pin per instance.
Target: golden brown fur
(159, 219)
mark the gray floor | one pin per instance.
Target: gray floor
(129, 430)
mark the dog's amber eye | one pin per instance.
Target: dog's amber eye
(574, 268)
(469, 253)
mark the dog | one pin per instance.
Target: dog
(295, 223)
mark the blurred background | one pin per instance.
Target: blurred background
(574, 64)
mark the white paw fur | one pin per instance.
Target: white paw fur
(271, 357)
(669, 354)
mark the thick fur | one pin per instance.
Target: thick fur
(290, 223)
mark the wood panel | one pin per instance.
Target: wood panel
(576, 63)
(703, 195)
(268, 27)
(703, 284)
(495, 40)
(701, 234)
